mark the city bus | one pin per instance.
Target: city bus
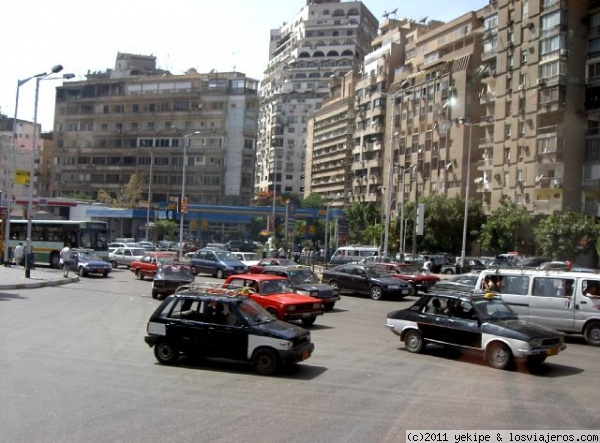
(48, 237)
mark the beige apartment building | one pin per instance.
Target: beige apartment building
(497, 104)
(324, 41)
(138, 119)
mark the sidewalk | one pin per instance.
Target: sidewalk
(13, 277)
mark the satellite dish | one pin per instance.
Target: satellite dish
(539, 177)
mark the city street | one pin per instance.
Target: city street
(74, 368)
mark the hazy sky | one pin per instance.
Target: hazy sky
(220, 35)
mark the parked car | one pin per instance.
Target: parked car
(170, 275)
(474, 322)
(131, 244)
(533, 262)
(466, 282)
(124, 256)
(220, 264)
(277, 296)
(474, 264)
(148, 264)
(185, 323)
(305, 282)
(86, 262)
(367, 279)
(240, 246)
(420, 281)
(147, 245)
(247, 258)
(273, 261)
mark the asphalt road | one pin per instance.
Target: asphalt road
(74, 368)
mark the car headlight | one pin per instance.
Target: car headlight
(291, 308)
(317, 306)
(536, 342)
(286, 344)
(394, 286)
(302, 292)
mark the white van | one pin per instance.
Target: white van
(347, 254)
(562, 300)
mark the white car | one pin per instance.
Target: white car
(247, 258)
(125, 256)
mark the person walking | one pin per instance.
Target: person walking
(64, 259)
(19, 252)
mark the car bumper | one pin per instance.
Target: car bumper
(297, 354)
(301, 315)
(541, 351)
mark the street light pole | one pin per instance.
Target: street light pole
(388, 195)
(186, 142)
(465, 221)
(29, 249)
(149, 193)
(404, 171)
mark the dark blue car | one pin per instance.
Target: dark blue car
(85, 262)
(218, 263)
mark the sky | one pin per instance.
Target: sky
(86, 36)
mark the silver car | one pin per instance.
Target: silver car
(125, 256)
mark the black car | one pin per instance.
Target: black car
(86, 262)
(169, 276)
(473, 321)
(367, 279)
(305, 282)
(216, 322)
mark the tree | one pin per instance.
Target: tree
(360, 216)
(564, 235)
(312, 201)
(164, 230)
(130, 195)
(104, 197)
(509, 228)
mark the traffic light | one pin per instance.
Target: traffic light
(184, 205)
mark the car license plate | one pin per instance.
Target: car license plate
(552, 351)
(405, 292)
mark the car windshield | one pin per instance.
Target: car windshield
(224, 255)
(298, 277)
(250, 256)
(275, 287)
(494, 309)
(87, 256)
(138, 251)
(377, 271)
(253, 313)
(174, 270)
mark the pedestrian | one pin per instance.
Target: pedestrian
(427, 265)
(64, 259)
(19, 253)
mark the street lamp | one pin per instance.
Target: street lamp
(465, 221)
(388, 195)
(404, 171)
(29, 250)
(149, 193)
(186, 138)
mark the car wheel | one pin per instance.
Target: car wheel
(166, 353)
(413, 342)
(448, 271)
(376, 293)
(329, 306)
(154, 294)
(334, 283)
(114, 264)
(105, 274)
(592, 334)
(220, 273)
(415, 291)
(499, 356)
(265, 361)
(194, 270)
(309, 321)
(81, 271)
(273, 312)
(139, 275)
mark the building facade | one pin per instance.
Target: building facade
(137, 119)
(325, 40)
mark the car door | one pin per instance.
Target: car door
(344, 278)
(360, 281)
(186, 327)
(464, 329)
(434, 325)
(550, 302)
(227, 339)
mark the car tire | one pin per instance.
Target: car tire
(114, 264)
(139, 275)
(334, 283)
(309, 321)
(220, 274)
(415, 291)
(273, 312)
(154, 294)
(376, 293)
(499, 356)
(81, 271)
(105, 274)
(166, 353)
(265, 361)
(193, 270)
(329, 306)
(592, 334)
(413, 341)
(448, 271)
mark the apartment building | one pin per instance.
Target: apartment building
(324, 41)
(498, 104)
(138, 119)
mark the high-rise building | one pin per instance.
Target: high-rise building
(325, 40)
(136, 118)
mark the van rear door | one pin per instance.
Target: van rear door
(550, 302)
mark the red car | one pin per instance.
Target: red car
(148, 264)
(274, 261)
(419, 281)
(276, 295)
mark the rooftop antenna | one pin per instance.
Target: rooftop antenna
(423, 20)
(233, 54)
(394, 12)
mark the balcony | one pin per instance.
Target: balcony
(547, 206)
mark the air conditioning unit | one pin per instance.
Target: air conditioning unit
(541, 81)
(564, 52)
(522, 87)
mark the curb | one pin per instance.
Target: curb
(41, 284)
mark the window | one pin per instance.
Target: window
(507, 131)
